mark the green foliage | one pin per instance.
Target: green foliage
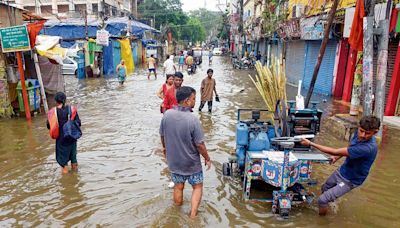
(224, 28)
(194, 27)
(209, 19)
(271, 19)
(193, 31)
(166, 12)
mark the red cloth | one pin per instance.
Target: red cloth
(393, 20)
(356, 33)
(33, 30)
(170, 99)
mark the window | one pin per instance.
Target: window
(95, 8)
(67, 61)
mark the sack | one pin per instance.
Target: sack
(53, 122)
(71, 128)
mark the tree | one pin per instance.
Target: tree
(209, 19)
(167, 13)
(224, 28)
(193, 31)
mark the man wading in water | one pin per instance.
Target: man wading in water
(360, 156)
(183, 141)
(207, 91)
(170, 96)
(121, 72)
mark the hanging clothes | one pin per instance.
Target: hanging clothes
(356, 33)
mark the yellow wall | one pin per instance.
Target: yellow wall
(316, 5)
(249, 5)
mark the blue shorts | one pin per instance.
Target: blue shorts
(193, 179)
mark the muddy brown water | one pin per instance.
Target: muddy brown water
(122, 180)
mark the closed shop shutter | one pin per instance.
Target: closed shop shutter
(274, 50)
(295, 61)
(392, 51)
(324, 81)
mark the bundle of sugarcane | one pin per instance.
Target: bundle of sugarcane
(271, 83)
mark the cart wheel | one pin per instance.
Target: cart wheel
(280, 117)
(226, 169)
(274, 209)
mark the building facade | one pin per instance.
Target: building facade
(70, 8)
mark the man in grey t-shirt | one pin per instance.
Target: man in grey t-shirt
(183, 140)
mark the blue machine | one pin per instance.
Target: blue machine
(281, 162)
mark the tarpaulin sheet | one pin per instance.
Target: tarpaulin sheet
(74, 28)
(48, 46)
(126, 55)
(53, 80)
(108, 64)
(117, 24)
(70, 32)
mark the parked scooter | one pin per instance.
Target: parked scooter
(244, 63)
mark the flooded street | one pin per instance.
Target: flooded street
(123, 177)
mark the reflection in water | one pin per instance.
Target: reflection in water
(123, 177)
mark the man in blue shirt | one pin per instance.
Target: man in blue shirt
(182, 138)
(360, 156)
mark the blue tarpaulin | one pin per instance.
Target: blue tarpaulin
(108, 64)
(118, 24)
(74, 28)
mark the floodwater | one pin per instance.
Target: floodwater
(122, 179)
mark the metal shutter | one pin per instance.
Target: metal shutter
(324, 81)
(295, 61)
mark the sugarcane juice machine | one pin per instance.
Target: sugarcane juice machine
(265, 153)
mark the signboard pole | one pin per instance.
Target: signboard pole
(39, 75)
(24, 93)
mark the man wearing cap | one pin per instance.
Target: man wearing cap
(183, 141)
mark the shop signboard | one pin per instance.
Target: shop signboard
(14, 39)
(102, 37)
(289, 29)
(312, 28)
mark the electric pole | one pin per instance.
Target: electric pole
(368, 64)
(241, 32)
(382, 65)
(134, 8)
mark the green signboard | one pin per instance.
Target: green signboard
(15, 39)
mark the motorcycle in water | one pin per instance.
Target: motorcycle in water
(191, 69)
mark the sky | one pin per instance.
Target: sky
(189, 5)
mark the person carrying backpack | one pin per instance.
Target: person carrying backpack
(64, 125)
